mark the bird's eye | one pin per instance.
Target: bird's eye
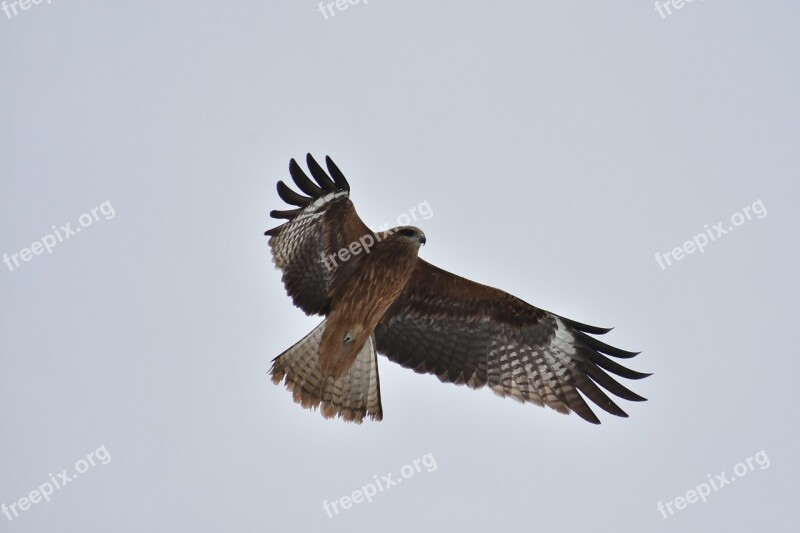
(407, 232)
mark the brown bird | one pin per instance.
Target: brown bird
(377, 296)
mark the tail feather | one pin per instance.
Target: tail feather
(353, 396)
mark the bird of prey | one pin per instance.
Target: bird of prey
(378, 296)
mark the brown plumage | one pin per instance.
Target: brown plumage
(379, 297)
(360, 301)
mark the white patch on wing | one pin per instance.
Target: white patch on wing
(563, 340)
(322, 200)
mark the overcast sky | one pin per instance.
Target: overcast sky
(559, 146)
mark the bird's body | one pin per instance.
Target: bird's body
(378, 296)
(362, 300)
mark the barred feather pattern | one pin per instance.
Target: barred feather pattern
(467, 333)
(353, 396)
(297, 250)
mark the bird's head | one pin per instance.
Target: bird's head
(410, 234)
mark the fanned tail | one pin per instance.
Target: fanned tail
(354, 395)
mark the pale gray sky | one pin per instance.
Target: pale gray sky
(560, 146)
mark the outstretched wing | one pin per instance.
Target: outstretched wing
(468, 333)
(323, 223)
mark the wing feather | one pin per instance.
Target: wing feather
(336, 174)
(465, 332)
(304, 182)
(291, 197)
(319, 175)
(324, 222)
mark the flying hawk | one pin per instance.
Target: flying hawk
(377, 296)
